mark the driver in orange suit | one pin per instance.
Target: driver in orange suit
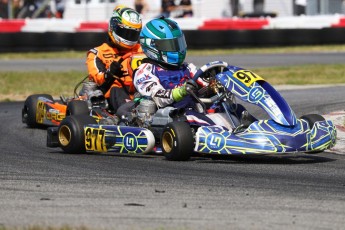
(106, 63)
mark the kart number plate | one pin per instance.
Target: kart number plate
(95, 139)
(40, 111)
(247, 77)
(136, 61)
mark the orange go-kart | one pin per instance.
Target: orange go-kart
(41, 110)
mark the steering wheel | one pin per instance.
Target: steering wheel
(206, 70)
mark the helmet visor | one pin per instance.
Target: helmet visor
(175, 44)
(129, 34)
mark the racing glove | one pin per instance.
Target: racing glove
(115, 69)
(180, 92)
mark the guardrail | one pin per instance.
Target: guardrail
(57, 34)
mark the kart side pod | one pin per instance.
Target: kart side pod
(81, 134)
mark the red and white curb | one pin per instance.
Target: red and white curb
(338, 119)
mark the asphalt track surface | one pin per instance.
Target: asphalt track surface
(43, 186)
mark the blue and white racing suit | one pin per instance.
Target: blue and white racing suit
(156, 82)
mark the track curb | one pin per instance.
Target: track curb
(338, 119)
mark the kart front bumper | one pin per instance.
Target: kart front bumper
(267, 137)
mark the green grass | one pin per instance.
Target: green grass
(44, 55)
(17, 86)
(304, 74)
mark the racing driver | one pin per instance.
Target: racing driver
(105, 64)
(163, 75)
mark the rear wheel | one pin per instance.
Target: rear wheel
(71, 133)
(77, 107)
(177, 141)
(29, 110)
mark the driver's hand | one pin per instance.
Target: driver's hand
(115, 69)
(191, 86)
(180, 92)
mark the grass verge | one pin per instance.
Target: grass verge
(15, 86)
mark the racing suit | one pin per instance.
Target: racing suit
(98, 62)
(157, 82)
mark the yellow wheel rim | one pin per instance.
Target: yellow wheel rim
(167, 142)
(64, 135)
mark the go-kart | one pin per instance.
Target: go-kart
(41, 110)
(168, 130)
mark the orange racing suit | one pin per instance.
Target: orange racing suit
(98, 61)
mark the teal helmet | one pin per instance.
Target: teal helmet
(162, 40)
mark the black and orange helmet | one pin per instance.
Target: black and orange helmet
(124, 27)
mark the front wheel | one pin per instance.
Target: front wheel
(177, 141)
(71, 136)
(312, 119)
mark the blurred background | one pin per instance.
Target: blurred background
(99, 9)
(79, 24)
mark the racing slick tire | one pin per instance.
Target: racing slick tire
(177, 141)
(30, 109)
(77, 107)
(311, 119)
(71, 133)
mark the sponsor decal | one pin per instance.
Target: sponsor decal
(162, 93)
(142, 79)
(55, 115)
(108, 55)
(130, 142)
(272, 105)
(255, 94)
(149, 87)
(215, 142)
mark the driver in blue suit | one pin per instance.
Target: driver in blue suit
(164, 76)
